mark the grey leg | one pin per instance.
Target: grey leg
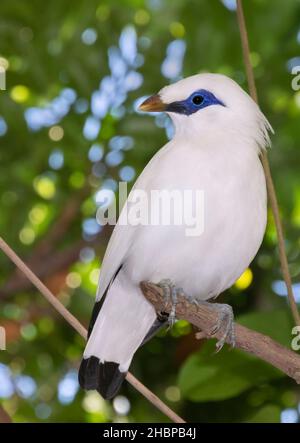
(170, 292)
(166, 285)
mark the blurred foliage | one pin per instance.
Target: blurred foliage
(69, 130)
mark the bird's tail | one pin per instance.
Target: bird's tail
(120, 327)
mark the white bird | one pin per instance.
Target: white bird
(219, 133)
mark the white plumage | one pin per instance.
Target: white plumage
(215, 149)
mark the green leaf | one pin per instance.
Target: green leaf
(206, 376)
(277, 324)
(267, 414)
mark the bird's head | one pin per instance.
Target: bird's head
(207, 104)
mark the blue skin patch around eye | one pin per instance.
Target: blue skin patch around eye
(198, 100)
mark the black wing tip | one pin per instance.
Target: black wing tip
(95, 312)
(98, 304)
(106, 377)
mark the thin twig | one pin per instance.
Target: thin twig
(59, 307)
(265, 162)
(204, 318)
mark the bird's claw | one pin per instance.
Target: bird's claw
(191, 299)
(225, 323)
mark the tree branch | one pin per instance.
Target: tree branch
(247, 340)
(49, 265)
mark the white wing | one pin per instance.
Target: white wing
(123, 235)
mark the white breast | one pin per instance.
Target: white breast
(234, 218)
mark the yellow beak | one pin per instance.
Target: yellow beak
(153, 104)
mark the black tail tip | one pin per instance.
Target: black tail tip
(106, 377)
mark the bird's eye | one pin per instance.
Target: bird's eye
(197, 99)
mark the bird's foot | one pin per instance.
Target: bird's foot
(170, 292)
(224, 323)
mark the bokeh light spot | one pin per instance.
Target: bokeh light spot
(289, 416)
(28, 331)
(121, 405)
(43, 411)
(92, 402)
(20, 93)
(103, 12)
(95, 153)
(127, 173)
(27, 235)
(94, 276)
(73, 280)
(38, 214)
(56, 133)
(3, 127)
(89, 36)
(87, 254)
(25, 386)
(68, 387)
(245, 280)
(141, 17)
(172, 393)
(56, 159)
(177, 29)
(4, 63)
(44, 187)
